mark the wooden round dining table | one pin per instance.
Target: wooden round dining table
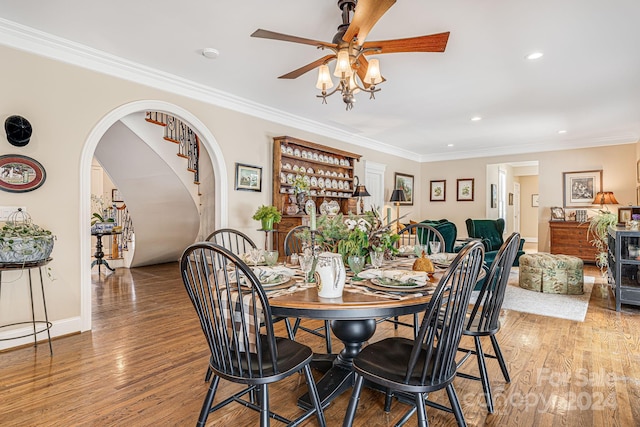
(353, 321)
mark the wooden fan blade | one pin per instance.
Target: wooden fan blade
(300, 71)
(430, 43)
(266, 34)
(367, 13)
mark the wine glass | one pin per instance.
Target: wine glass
(376, 258)
(306, 264)
(254, 255)
(271, 258)
(435, 247)
(356, 264)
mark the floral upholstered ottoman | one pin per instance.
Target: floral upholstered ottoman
(555, 274)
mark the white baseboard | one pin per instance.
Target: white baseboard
(59, 328)
(530, 239)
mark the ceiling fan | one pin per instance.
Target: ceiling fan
(349, 49)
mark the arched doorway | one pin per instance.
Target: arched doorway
(206, 138)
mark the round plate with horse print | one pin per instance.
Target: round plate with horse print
(19, 174)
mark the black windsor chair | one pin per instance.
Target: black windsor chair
(414, 368)
(238, 243)
(233, 240)
(416, 234)
(483, 318)
(235, 317)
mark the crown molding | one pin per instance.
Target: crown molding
(40, 43)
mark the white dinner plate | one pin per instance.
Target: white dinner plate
(387, 282)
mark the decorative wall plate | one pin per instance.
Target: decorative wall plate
(19, 174)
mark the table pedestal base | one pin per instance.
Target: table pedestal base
(339, 378)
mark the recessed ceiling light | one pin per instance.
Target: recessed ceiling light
(562, 131)
(535, 55)
(449, 145)
(476, 119)
(211, 53)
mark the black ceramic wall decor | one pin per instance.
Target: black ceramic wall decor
(18, 130)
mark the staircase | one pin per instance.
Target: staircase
(160, 194)
(178, 132)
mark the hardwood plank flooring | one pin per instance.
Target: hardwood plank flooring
(144, 361)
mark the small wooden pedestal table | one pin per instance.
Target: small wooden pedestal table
(47, 325)
(353, 321)
(99, 255)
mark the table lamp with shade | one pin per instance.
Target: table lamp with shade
(397, 196)
(605, 198)
(360, 191)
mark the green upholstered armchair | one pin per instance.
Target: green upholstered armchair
(448, 230)
(490, 232)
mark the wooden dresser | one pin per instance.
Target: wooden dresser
(570, 238)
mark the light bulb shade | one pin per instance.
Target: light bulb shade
(360, 191)
(343, 64)
(353, 88)
(605, 198)
(373, 75)
(324, 78)
(398, 196)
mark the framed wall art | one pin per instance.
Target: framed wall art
(438, 191)
(579, 188)
(405, 182)
(464, 189)
(248, 178)
(19, 174)
(624, 215)
(557, 214)
(116, 197)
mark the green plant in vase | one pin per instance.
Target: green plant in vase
(267, 215)
(598, 230)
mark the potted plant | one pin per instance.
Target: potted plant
(598, 229)
(268, 215)
(101, 221)
(22, 241)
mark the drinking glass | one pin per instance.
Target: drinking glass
(376, 258)
(419, 249)
(271, 258)
(435, 247)
(254, 255)
(356, 264)
(306, 264)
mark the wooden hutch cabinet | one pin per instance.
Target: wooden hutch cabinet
(330, 174)
(570, 238)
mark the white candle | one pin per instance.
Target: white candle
(312, 223)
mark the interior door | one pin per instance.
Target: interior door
(516, 207)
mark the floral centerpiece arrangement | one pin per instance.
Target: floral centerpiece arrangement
(353, 235)
(301, 187)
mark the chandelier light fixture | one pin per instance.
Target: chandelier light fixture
(348, 59)
(350, 50)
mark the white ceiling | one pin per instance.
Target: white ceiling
(587, 82)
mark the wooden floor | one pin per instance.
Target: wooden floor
(144, 362)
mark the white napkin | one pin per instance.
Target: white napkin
(272, 274)
(370, 274)
(404, 276)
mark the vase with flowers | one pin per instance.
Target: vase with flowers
(353, 235)
(301, 186)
